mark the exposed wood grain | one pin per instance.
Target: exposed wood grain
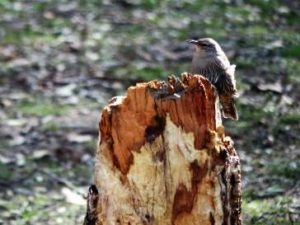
(164, 159)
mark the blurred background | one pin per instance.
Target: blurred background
(62, 60)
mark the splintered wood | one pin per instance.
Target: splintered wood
(163, 158)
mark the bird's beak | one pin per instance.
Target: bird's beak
(191, 41)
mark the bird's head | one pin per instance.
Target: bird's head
(206, 47)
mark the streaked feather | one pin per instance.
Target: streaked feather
(215, 66)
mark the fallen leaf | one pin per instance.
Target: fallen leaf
(73, 137)
(19, 62)
(66, 91)
(72, 197)
(275, 87)
(274, 44)
(38, 154)
(8, 53)
(16, 122)
(17, 140)
(20, 159)
(6, 103)
(5, 160)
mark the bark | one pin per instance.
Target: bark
(163, 157)
(92, 202)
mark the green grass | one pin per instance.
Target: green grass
(267, 211)
(267, 7)
(145, 74)
(150, 73)
(92, 146)
(151, 3)
(293, 70)
(6, 172)
(290, 118)
(36, 209)
(5, 4)
(256, 31)
(90, 4)
(292, 51)
(41, 108)
(196, 5)
(133, 31)
(3, 144)
(293, 18)
(252, 113)
(244, 63)
(27, 35)
(287, 169)
(82, 171)
(51, 126)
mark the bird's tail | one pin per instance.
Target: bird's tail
(228, 107)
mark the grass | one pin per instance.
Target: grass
(267, 7)
(27, 35)
(293, 70)
(90, 3)
(6, 172)
(252, 113)
(150, 3)
(51, 126)
(196, 6)
(5, 4)
(150, 73)
(41, 108)
(290, 118)
(4, 144)
(92, 146)
(289, 170)
(35, 209)
(292, 51)
(256, 31)
(267, 211)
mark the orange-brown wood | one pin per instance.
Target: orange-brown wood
(163, 157)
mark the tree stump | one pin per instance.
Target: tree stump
(163, 157)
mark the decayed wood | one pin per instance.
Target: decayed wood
(163, 158)
(92, 202)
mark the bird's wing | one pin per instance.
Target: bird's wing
(226, 83)
(231, 70)
(222, 61)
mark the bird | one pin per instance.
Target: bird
(210, 61)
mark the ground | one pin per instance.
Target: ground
(61, 61)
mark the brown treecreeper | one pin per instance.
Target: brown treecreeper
(210, 61)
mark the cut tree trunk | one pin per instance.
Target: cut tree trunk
(163, 158)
